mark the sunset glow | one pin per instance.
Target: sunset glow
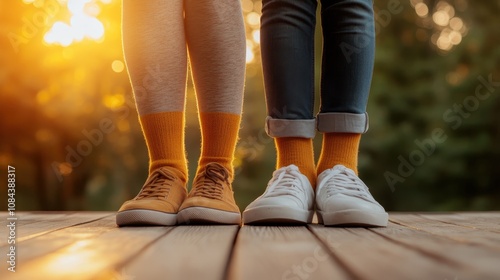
(82, 25)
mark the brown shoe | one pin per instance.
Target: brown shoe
(211, 200)
(158, 201)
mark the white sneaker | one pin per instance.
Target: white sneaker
(289, 198)
(343, 199)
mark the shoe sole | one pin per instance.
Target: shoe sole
(353, 218)
(277, 215)
(203, 215)
(143, 217)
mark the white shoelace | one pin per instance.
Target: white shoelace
(344, 181)
(286, 182)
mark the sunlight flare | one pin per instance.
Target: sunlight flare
(83, 24)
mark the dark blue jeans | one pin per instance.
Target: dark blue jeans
(287, 45)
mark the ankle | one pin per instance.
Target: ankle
(297, 151)
(179, 168)
(225, 162)
(339, 148)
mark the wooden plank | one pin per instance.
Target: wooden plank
(93, 248)
(25, 220)
(186, 252)
(65, 245)
(56, 240)
(36, 216)
(470, 261)
(30, 215)
(264, 252)
(367, 255)
(42, 226)
(33, 225)
(489, 221)
(451, 231)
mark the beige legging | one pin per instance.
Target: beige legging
(157, 35)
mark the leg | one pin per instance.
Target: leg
(287, 44)
(155, 51)
(216, 41)
(349, 49)
(349, 46)
(157, 66)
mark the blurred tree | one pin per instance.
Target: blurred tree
(69, 126)
(417, 83)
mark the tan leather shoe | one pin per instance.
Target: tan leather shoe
(211, 199)
(158, 201)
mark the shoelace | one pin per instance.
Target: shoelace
(209, 182)
(286, 183)
(158, 184)
(342, 181)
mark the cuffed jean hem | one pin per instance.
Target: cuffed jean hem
(342, 122)
(291, 128)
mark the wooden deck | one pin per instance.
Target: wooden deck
(88, 245)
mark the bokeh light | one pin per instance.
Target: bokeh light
(249, 54)
(118, 66)
(65, 73)
(252, 11)
(83, 24)
(448, 28)
(422, 9)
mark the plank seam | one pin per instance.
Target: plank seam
(227, 269)
(351, 273)
(22, 239)
(122, 264)
(416, 248)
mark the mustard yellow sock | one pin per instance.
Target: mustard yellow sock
(298, 151)
(164, 133)
(219, 132)
(339, 148)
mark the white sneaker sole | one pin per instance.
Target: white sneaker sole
(143, 217)
(195, 215)
(277, 215)
(353, 218)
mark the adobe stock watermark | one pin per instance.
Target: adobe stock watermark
(253, 145)
(224, 9)
(76, 155)
(122, 275)
(34, 24)
(309, 265)
(154, 80)
(383, 18)
(453, 117)
(92, 138)
(11, 219)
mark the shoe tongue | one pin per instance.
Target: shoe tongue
(339, 167)
(292, 167)
(216, 170)
(344, 169)
(165, 173)
(172, 173)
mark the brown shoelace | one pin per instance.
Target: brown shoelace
(209, 182)
(158, 184)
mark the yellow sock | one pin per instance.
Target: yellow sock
(339, 148)
(164, 133)
(298, 151)
(219, 132)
